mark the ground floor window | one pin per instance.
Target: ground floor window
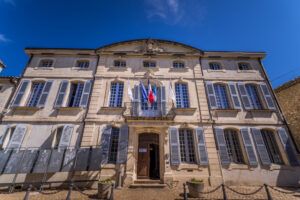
(114, 142)
(187, 150)
(271, 146)
(233, 146)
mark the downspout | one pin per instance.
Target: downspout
(278, 105)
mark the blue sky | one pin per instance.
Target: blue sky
(248, 25)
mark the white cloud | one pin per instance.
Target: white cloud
(3, 38)
(175, 11)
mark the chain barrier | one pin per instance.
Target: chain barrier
(45, 193)
(240, 193)
(283, 192)
(211, 191)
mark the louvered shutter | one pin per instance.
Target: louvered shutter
(267, 96)
(260, 147)
(211, 95)
(244, 96)
(203, 159)
(61, 93)
(224, 157)
(17, 136)
(249, 147)
(3, 132)
(234, 95)
(174, 146)
(123, 144)
(288, 146)
(85, 94)
(22, 89)
(163, 101)
(105, 143)
(66, 136)
(135, 103)
(45, 93)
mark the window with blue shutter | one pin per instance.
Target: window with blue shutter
(253, 96)
(234, 95)
(61, 94)
(35, 93)
(66, 136)
(76, 91)
(116, 94)
(267, 96)
(222, 148)
(123, 144)
(19, 96)
(260, 147)
(182, 95)
(174, 146)
(211, 95)
(17, 136)
(221, 96)
(234, 150)
(86, 93)
(186, 142)
(163, 101)
(288, 147)
(45, 93)
(248, 147)
(136, 101)
(105, 143)
(244, 96)
(202, 152)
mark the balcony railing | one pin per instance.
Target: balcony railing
(139, 110)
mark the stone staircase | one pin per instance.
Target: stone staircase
(147, 183)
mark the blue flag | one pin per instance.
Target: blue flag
(143, 92)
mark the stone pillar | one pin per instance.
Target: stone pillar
(131, 158)
(165, 156)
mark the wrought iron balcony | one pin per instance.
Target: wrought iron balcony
(156, 111)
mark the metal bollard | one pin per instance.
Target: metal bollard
(184, 192)
(69, 192)
(26, 197)
(224, 192)
(112, 192)
(269, 197)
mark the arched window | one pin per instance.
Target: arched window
(221, 96)
(116, 94)
(57, 136)
(244, 66)
(215, 66)
(46, 63)
(253, 94)
(119, 63)
(35, 93)
(233, 146)
(82, 64)
(114, 143)
(149, 64)
(182, 95)
(75, 94)
(178, 64)
(187, 149)
(271, 146)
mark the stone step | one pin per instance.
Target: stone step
(147, 185)
(146, 181)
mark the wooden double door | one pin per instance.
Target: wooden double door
(148, 156)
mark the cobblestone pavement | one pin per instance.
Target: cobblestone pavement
(155, 194)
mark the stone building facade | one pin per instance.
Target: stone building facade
(7, 89)
(84, 114)
(288, 96)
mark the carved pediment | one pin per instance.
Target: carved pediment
(150, 46)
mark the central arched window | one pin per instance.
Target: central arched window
(182, 95)
(233, 146)
(221, 96)
(35, 93)
(271, 146)
(253, 96)
(186, 142)
(116, 94)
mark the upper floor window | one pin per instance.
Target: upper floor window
(244, 66)
(178, 64)
(75, 94)
(116, 94)
(221, 96)
(186, 142)
(119, 63)
(182, 95)
(46, 63)
(149, 64)
(113, 148)
(57, 137)
(271, 146)
(233, 146)
(5, 138)
(83, 64)
(35, 93)
(253, 96)
(215, 66)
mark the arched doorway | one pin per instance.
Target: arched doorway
(148, 156)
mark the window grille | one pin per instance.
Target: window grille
(83, 64)
(221, 96)
(114, 142)
(214, 66)
(120, 63)
(46, 63)
(116, 94)
(35, 94)
(254, 96)
(182, 96)
(186, 142)
(149, 64)
(271, 146)
(178, 64)
(233, 146)
(75, 94)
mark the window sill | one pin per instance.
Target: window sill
(185, 69)
(226, 110)
(235, 166)
(187, 166)
(80, 69)
(31, 108)
(117, 69)
(219, 70)
(184, 111)
(260, 110)
(246, 71)
(69, 108)
(44, 68)
(108, 166)
(111, 110)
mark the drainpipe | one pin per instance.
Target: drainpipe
(278, 105)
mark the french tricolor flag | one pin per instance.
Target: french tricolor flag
(151, 94)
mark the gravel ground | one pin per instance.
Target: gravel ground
(153, 194)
